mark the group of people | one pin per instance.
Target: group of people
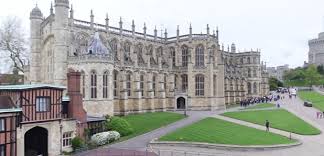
(255, 100)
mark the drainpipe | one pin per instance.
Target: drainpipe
(61, 144)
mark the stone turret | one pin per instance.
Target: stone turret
(233, 48)
(36, 18)
(61, 46)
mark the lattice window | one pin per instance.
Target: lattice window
(185, 52)
(105, 85)
(200, 61)
(200, 85)
(142, 85)
(128, 84)
(66, 139)
(115, 75)
(93, 84)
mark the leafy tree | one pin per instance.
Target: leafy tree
(274, 83)
(13, 43)
(312, 75)
(320, 69)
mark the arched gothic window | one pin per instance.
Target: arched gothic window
(184, 50)
(105, 85)
(128, 84)
(200, 58)
(231, 85)
(249, 72)
(139, 50)
(248, 60)
(175, 81)
(242, 85)
(173, 56)
(93, 84)
(115, 75)
(241, 60)
(82, 43)
(127, 46)
(160, 51)
(114, 46)
(214, 84)
(249, 87)
(142, 84)
(255, 87)
(165, 82)
(200, 85)
(254, 60)
(184, 82)
(154, 84)
(254, 73)
(83, 84)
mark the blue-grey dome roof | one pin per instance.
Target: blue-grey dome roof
(97, 47)
(36, 12)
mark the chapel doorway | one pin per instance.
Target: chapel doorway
(36, 142)
(181, 103)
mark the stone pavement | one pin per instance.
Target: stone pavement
(312, 145)
(140, 143)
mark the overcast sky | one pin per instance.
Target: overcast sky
(280, 28)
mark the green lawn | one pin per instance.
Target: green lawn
(278, 118)
(261, 105)
(146, 122)
(213, 130)
(314, 97)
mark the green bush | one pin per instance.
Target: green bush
(120, 125)
(77, 143)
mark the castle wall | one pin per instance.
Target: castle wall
(139, 63)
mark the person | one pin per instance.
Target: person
(278, 105)
(267, 124)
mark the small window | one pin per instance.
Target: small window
(2, 125)
(67, 137)
(2, 150)
(43, 104)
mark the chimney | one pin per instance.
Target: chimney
(75, 106)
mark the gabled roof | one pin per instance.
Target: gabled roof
(30, 86)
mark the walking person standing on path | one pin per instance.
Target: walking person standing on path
(267, 124)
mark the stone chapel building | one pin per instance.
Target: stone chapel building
(124, 71)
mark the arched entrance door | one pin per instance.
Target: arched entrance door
(36, 142)
(181, 103)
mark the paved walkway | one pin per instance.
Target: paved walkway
(312, 145)
(140, 143)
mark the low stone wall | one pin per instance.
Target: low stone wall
(223, 146)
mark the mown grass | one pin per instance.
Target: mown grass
(261, 105)
(278, 118)
(146, 122)
(314, 97)
(217, 131)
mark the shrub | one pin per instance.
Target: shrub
(105, 137)
(120, 125)
(77, 143)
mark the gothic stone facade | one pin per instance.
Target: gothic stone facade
(124, 71)
(316, 50)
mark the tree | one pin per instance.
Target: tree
(274, 83)
(312, 75)
(320, 69)
(13, 43)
